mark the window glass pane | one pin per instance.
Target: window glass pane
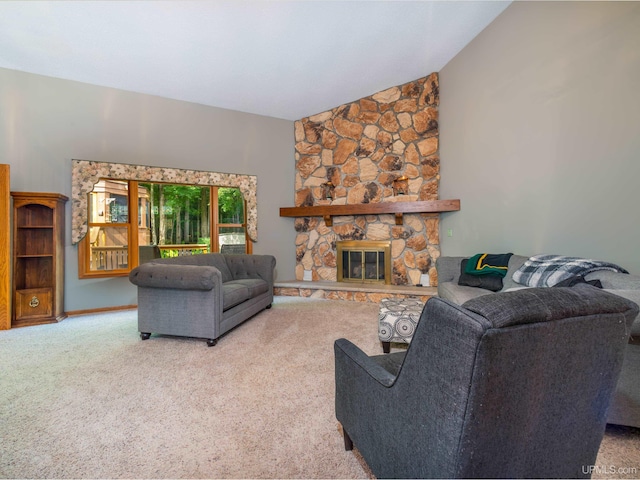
(176, 215)
(108, 248)
(230, 205)
(345, 264)
(232, 240)
(371, 265)
(109, 202)
(355, 264)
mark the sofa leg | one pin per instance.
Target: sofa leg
(348, 443)
(268, 307)
(386, 347)
(212, 342)
(145, 335)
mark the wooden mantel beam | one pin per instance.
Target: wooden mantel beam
(397, 208)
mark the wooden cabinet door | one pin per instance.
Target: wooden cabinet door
(32, 304)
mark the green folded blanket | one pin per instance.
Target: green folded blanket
(488, 264)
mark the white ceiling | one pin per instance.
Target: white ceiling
(284, 59)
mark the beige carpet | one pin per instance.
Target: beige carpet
(86, 398)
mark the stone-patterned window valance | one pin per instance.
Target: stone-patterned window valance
(85, 174)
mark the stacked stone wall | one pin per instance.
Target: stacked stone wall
(361, 148)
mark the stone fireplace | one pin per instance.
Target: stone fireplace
(361, 148)
(364, 261)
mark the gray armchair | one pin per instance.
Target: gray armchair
(515, 385)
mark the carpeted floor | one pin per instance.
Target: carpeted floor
(86, 398)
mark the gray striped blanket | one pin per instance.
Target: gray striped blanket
(548, 270)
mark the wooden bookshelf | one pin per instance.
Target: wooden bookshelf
(5, 247)
(38, 258)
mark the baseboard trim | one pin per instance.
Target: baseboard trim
(100, 310)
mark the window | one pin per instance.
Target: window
(230, 225)
(126, 218)
(107, 243)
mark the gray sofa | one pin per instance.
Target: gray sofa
(625, 408)
(201, 296)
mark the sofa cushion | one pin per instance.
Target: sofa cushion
(459, 294)
(515, 262)
(233, 294)
(217, 260)
(250, 266)
(256, 286)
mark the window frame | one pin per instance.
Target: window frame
(84, 249)
(86, 173)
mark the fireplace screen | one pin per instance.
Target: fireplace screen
(364, 261)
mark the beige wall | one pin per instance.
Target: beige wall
(539, 131)
(46, 122)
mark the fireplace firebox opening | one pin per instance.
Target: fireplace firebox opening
(364, 261)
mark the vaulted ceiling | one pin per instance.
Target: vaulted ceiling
(284, 59)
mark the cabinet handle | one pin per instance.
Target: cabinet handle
(34, 302)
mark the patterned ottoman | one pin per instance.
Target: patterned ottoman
(397, 320)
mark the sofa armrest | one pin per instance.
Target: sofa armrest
(251, 266)
(345, 351)
(181, 277)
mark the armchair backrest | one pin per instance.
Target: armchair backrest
(543, 380)
(515, 384)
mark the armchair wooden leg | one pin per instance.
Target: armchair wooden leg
(386, 347)
(211, 342)
(348, 443)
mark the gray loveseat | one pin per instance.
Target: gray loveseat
(625, 408)
(201, 296)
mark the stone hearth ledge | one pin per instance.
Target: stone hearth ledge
(358, 292)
